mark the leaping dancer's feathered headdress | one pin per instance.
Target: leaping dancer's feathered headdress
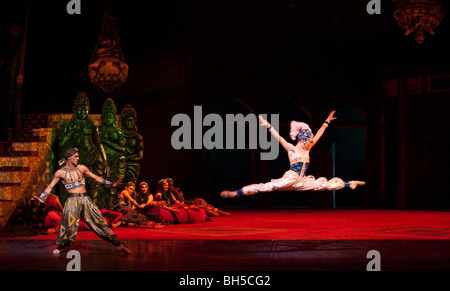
(300, 130)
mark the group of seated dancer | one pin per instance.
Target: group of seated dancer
(167, 206)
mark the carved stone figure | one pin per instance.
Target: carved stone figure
(82, 133)
(134, 144)
(114, 144)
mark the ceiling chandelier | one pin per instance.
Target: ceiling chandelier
(418, 16)
(107, 68)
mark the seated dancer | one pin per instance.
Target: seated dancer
(295, 179)
(164, 193)
(145, 198)
(143, 195)
(78, 203)
(125, 197)
(175, 190)
(130, 208)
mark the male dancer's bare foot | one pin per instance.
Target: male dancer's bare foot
(353, 184)
(123, 248)
(228, 194)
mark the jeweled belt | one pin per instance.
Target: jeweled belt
(75, 184)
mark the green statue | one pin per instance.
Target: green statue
(82, 133)
(134, 144)
(114, 144)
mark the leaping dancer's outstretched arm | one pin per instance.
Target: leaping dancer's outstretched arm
(286, 145)
(321, 130)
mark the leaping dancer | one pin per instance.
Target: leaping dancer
(295, 179)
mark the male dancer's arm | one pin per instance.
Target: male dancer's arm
(47, 190)
(100, 180)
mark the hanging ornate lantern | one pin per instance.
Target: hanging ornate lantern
(108, 69)
(418, 16)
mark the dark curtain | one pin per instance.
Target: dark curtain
(14, 17)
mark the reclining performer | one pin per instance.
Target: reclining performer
(79, 204)
(295, 179)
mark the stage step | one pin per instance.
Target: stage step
(6, 196)
(7, 192)
(14, 162)
(11, 177)
(24, 167)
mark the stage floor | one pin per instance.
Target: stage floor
(257, 240)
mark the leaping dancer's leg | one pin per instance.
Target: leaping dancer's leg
(291, 182)
(282, 184)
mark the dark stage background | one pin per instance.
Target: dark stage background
(299, 59)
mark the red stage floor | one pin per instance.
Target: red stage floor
(258, 240)
(300, 224)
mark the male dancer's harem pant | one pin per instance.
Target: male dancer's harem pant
(75, 208)
(295, 180)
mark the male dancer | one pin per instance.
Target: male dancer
(78, 203)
